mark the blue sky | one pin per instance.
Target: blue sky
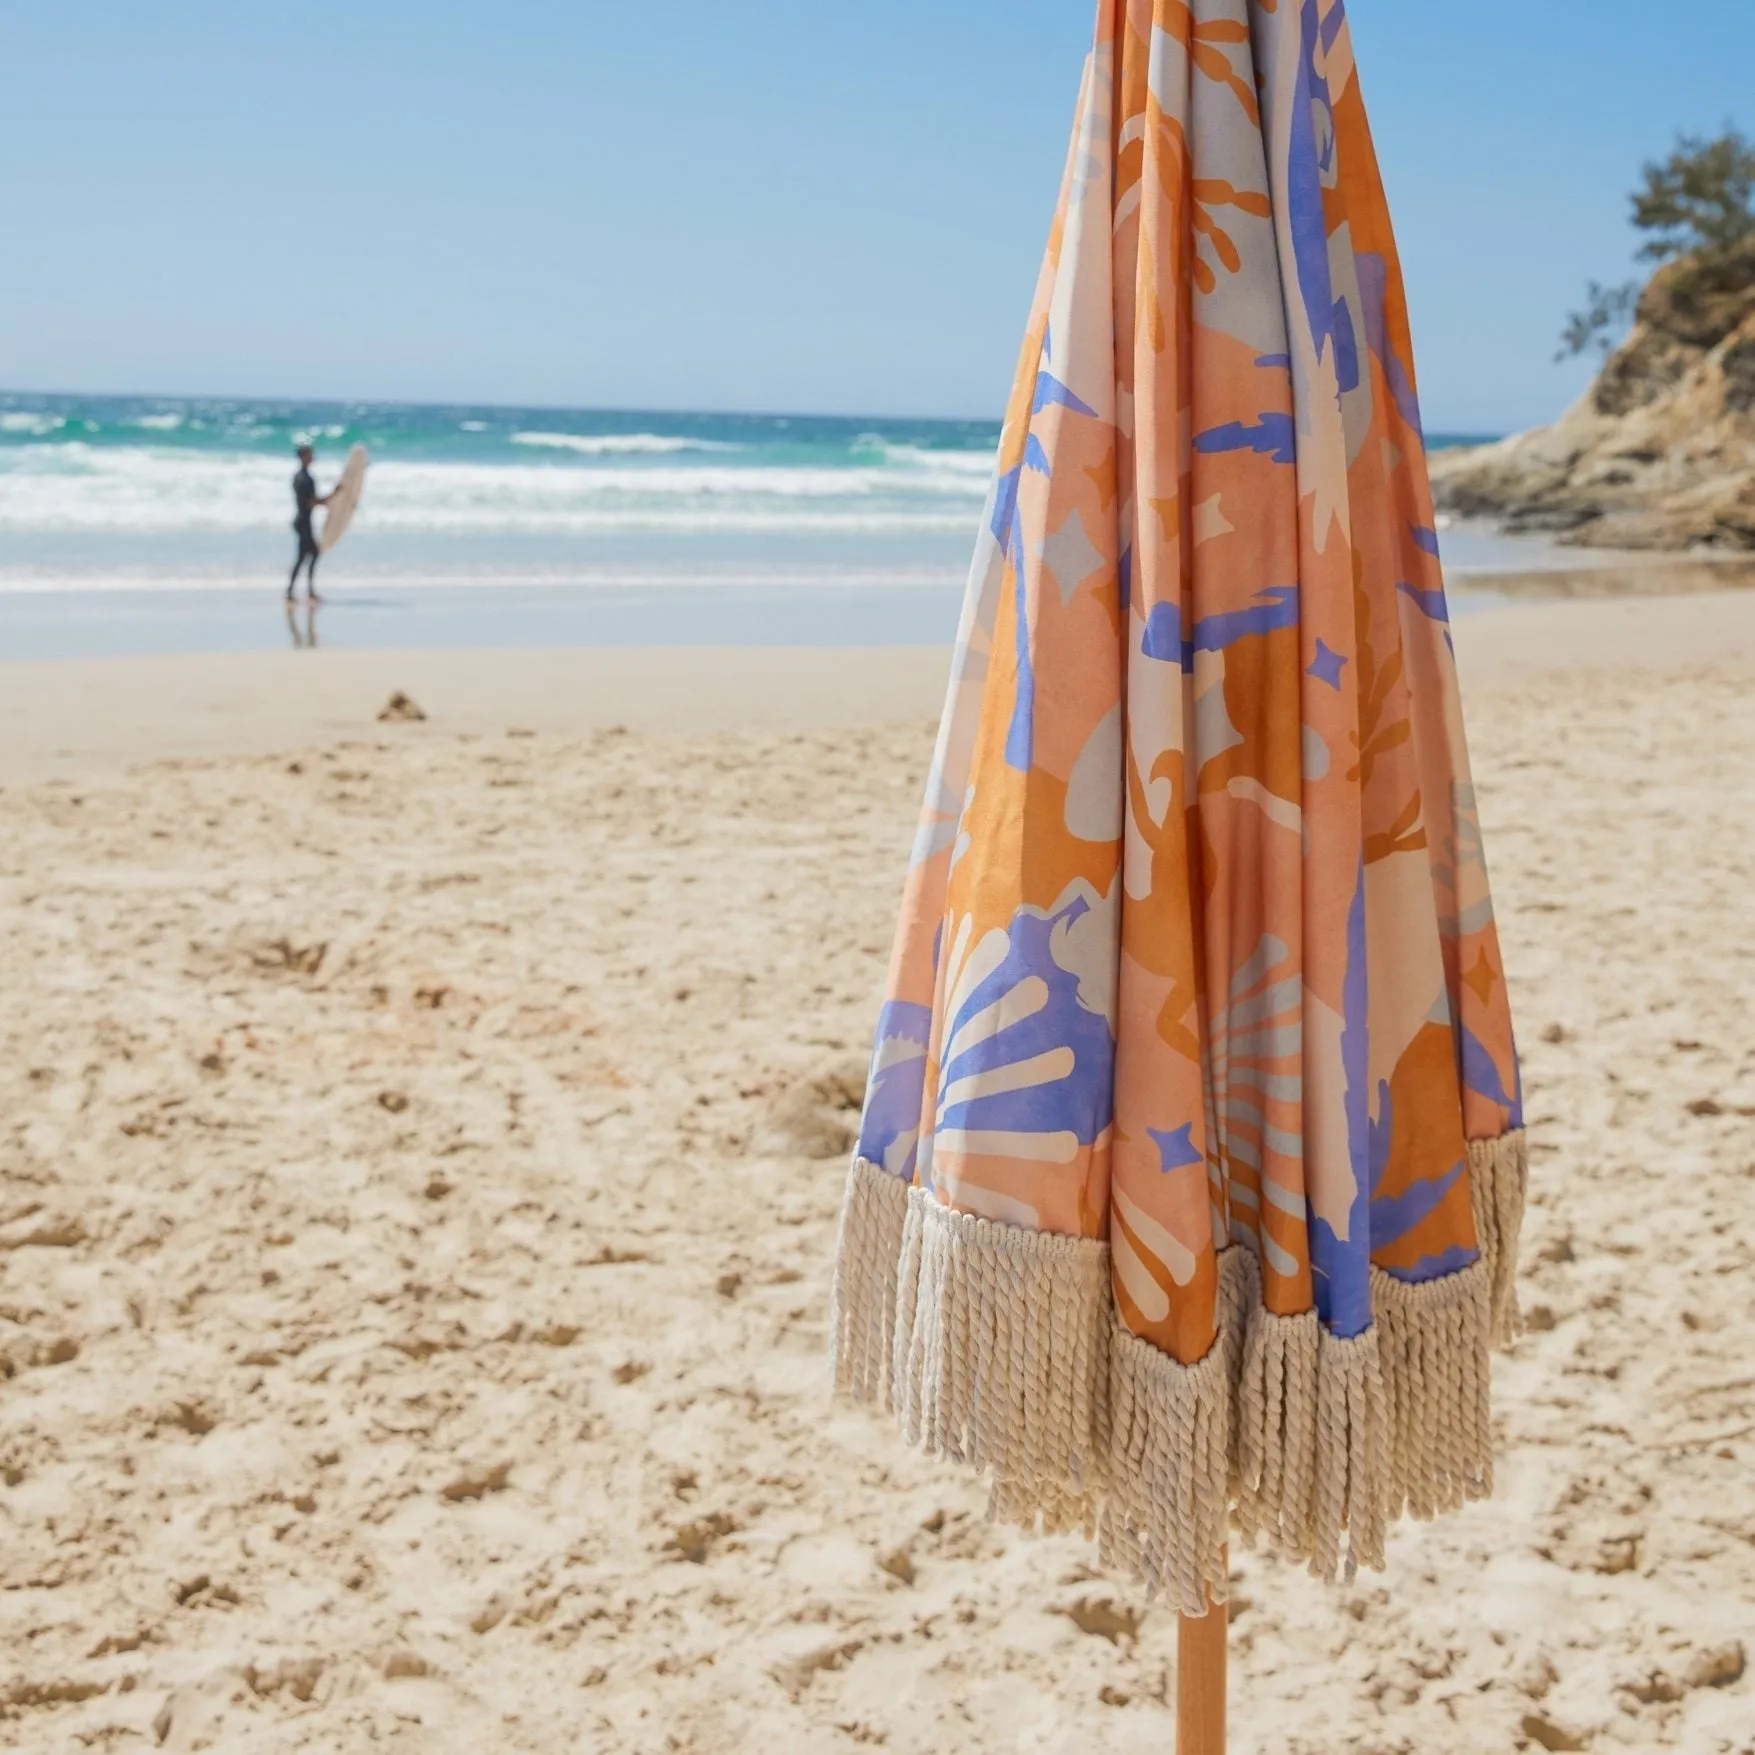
(779, 204)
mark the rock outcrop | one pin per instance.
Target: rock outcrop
(1660, 452)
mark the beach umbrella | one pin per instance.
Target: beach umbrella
(1191, 1168)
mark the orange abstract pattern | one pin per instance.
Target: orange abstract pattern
(1198, 949)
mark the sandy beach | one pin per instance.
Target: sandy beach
(420, 1150)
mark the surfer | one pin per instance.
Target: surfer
(306, 500)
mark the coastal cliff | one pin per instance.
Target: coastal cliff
(1660, 452)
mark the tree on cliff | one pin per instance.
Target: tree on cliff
(1700, 201)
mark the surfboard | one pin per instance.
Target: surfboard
(338, 514)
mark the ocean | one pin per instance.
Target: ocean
(132, 524)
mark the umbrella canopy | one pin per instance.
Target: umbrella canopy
(1192, 1166)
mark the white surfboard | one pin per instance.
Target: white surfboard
(338, 514)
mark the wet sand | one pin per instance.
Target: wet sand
(83, 716)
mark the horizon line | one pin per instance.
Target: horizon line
(531, 407)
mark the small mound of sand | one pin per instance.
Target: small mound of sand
(818, 1117)
(401, 709)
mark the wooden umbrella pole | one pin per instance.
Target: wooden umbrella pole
(1201, 1682)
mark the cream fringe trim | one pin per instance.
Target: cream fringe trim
(1001, 1355)
(1435, 1344)
(1499, 1172)
(862, 1305)
(1167, 1511)
(999, 1347)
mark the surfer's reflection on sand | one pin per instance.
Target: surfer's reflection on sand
(301, 623)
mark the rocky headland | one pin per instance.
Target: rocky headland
(1659, 453)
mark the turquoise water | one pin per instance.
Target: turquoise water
(118, 491)
(162, 523)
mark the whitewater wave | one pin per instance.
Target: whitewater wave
(965, 463)
(76, 487)
(37, 425)
(617, 444)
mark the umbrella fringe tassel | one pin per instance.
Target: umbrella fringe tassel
(1499, 1180)
(1435, 1342)
(1276, 1431)
(1001, 1358)
(1166, 1514)
(862, 1304)
(1000, 1348)
(1349, 1514)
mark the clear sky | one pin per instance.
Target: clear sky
(799, 205)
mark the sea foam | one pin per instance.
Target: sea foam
(74, 486)
(617, 444)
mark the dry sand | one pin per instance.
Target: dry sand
(419, 1158)
(76, 719)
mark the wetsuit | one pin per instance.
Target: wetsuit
(305, 499)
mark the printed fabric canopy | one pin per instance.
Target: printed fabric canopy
(1191, 1168)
